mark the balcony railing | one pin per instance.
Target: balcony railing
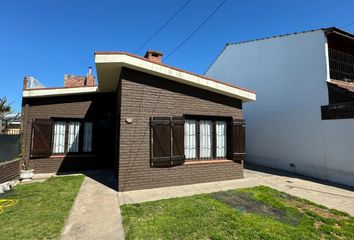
(341, 65)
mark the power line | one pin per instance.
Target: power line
(163, 26)
(196, 30)
(347, 25)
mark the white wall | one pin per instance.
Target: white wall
(284, 125)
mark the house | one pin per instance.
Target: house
(303, 121)
(155, 125)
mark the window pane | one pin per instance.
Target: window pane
(190, 139)
(88, 137)
(73, 136)
(205, 138)
(59, 137)
(220, 138)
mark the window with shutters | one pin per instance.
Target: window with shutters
(167, 141)
(60, 137)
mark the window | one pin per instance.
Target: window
(72, 137)
(205, 139)
(59, 137)
(190, 139)
(175, 139)
(88, 137)
(220, 127)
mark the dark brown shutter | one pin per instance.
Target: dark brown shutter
(177, 128)
(167, 141)
(160, 142)
(41, 144)
(237, 140)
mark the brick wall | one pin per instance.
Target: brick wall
(10, 170)
(79, 81)
(92, 107)
(143, 96)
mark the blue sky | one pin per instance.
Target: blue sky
(49, 38)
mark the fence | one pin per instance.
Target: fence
(11, 131)
(9, 147)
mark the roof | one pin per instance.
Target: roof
(327, 31)
(107, 64)
(61, 91)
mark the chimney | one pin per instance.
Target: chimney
(90, 79)
(80, 81)
(154, 56)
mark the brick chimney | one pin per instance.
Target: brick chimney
(154, 56)
(80, 81)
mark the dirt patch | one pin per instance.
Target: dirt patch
(322, 212)
(244, 202)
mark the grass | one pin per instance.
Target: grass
(251, 213)
(41, 209)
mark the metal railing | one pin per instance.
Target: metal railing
(341, 65)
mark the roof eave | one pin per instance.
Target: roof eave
(109, 64)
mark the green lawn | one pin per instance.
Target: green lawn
(252, 213)
(41, 209)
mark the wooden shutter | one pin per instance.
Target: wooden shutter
(177, 129)
(237, 140)
(160, 142)
(41, 144)
(167, 141)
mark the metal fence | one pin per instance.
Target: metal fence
(341, 65)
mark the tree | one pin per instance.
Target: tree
(5, 109)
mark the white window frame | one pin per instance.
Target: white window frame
(221, 139)
(59, 136)
(190, 133)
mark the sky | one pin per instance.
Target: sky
(49, 38)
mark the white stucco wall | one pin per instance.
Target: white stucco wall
(284, 125)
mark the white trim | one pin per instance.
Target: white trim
(57, 91)
(122, 60)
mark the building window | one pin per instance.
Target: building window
(205, 139)
(59, 137)
(87, 137)
(220, 127)
(72, 137)
(190, 146)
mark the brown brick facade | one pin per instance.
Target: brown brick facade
(143, 96)
(127, 145)
(93, 107)
(10, 170)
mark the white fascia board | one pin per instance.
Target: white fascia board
(57, 91)
(123, 60)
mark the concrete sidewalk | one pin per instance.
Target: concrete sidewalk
(318, 192)
(95, 213)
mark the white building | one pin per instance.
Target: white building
(303, 119)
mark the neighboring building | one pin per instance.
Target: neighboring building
(11, 124)
(303, 119)
(154, 124)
